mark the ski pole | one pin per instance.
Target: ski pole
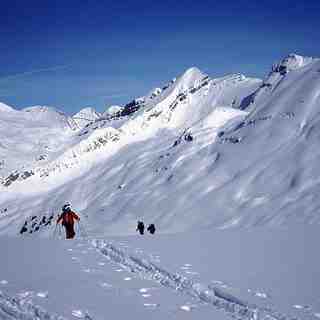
(82, 235)
(80, 230)
(83, 232)
(55, 231)
(59, 231)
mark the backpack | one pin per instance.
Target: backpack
(67, 217)
(151, 228)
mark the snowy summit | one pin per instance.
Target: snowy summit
(85, 116)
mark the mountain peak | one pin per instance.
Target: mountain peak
(85, 116)
(40, 109)
(291, 62)
(190, 78)
(112, 110)
(87, 110)
(49, 115)
(4, 107)
(193, 72)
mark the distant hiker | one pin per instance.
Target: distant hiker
(44, 220)
(188, 137)
(140, 227)
(151, 228)
(49, 220)
(67, 218)
(24, 228)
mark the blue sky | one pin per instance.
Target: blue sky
(73, 54)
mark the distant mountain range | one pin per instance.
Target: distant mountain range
(200, 152)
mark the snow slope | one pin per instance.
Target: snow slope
(234, 151)
(31, 136)
(221, 274)
(112, 110)
(203, 155)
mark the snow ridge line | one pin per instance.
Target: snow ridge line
(19, 309)
(220, 299)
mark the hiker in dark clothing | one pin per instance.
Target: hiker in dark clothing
(140, 227)
(151, 228)
(67, 218)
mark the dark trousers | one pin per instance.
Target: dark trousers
(69, 230)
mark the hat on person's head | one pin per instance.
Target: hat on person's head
(66, 207)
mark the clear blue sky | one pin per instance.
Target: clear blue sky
(73, 54)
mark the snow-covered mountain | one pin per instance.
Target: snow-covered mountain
(199, 152)
(4, 107)
(49, 116)
(85, 116)
(31, 136)
(112, 111)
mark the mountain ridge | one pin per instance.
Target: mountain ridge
(212, 142)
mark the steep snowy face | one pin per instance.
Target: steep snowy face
(189, 100)
(290, 73)
(292, 62)
(274, 178)
(294, 89)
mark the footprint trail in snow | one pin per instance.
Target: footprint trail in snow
(217, 297)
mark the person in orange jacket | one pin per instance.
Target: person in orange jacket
(67, 218)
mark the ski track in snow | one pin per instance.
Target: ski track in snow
(19, 308)
(211, 295)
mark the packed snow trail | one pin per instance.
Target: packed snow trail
(219, 298)
(19, 309)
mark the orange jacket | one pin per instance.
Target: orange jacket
(68, 217)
